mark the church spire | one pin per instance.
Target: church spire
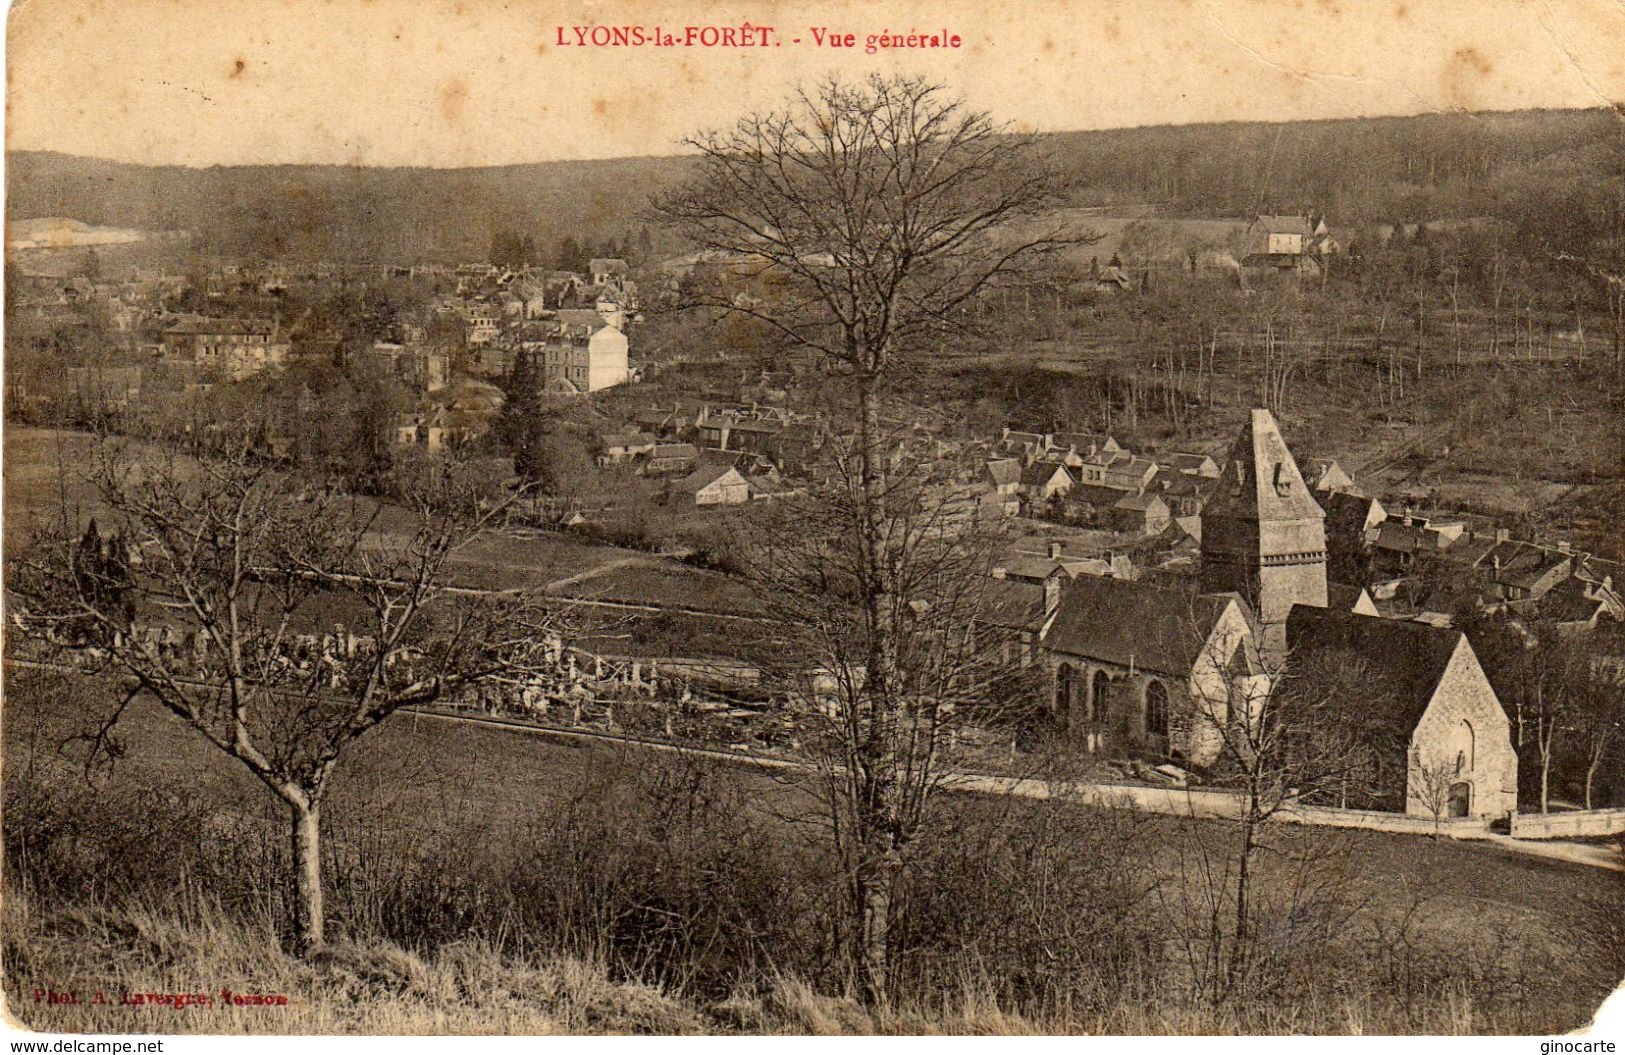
(1261, 480)
(1263, 533)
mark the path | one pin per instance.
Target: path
(592, 573)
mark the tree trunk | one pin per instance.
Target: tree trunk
(1545, 779)
(876, 812)
(309, 916)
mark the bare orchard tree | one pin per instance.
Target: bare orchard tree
(879, 759)
(280, 623)
(871, 217)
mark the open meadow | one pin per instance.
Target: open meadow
(684, 887)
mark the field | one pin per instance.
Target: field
(467, 801)
(35, 492)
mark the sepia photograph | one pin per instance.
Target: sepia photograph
(814, 518)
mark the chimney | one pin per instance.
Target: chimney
(1054, 550)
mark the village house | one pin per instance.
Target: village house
(1143, 514)
(1288, 243)
(1191, 464)
(1081, 445)
(1582, 601)
(1129, 473)
(668, 458)
(481, 323)
(606, 271)
(236, 348)
(1352, 521)
(1026, 445)
(1520, 572)
(1184, 493)
(1042, 481)
(575, 351)
(1326, 475)
(714, 483)
(439, 429)
(622, 446)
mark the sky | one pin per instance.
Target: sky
(482, 82)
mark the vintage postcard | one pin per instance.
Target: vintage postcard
(1067, 517)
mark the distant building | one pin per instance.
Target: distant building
(1191, 464)
(236, 347)
(576, 351)
(605, 271)
(1324, 474)
(1288, 242)
(715, 483)
(1041, 481)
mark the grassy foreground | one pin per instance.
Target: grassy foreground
(482, 881)
(191, 947)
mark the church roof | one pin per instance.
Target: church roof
(1404, 661)
(1261, 480)
(1130, 624)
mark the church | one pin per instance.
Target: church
(1154, 672)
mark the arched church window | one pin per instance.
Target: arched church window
(1099, 695)
(1156, 709)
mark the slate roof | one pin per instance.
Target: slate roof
(1029, 568)
(1399, 537)
(1004, 471)
(1523, 564)
(1012, 604)
(1404, 660)
(627, 438)
(1141, 503)
(199, 325)
(1261, 479)
(1346, 514)
(1132, 624)
(1185, 462)
(1041, 472)
(1286, 225)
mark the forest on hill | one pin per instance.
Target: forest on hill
(1363, 171)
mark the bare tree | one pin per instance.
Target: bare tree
(878, 764)
(1431, 782)
(874, 215)
(280, 623)
(1280, 739)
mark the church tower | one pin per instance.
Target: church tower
(1263, 533)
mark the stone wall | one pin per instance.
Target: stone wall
(1568, 825)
